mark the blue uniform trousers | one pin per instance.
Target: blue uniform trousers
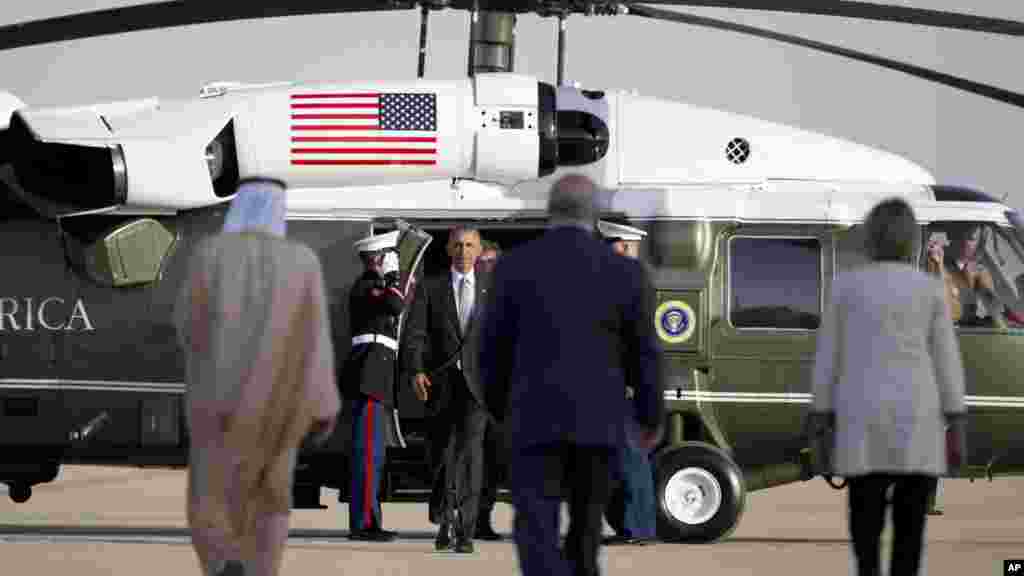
(632, 510)
(367, 460)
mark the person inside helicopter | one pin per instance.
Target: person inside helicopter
(968, 259)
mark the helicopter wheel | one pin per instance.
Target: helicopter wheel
(20, 493)
(700, 493)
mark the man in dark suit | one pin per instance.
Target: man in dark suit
(442, 353)
(568, 327)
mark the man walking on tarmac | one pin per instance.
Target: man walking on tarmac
(442, 353)
(567, 328)
(368, 380)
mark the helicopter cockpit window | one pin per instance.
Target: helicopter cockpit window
(982, 268)
(775, 283)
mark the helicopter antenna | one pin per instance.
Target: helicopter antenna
(561, 49)
(425, 7)
(561, 12)
(424, 17)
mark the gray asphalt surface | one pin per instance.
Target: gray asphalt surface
(101, 521)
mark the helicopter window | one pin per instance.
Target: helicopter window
(851, 248)
(775, 282)
(982, 267)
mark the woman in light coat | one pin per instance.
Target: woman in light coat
(888, 375)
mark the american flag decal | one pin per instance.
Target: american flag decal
(364, 129)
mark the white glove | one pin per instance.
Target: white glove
(390, 263)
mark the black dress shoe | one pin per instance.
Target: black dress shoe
(444, 538)
(373, 535)
(463, 546)
(232, 568)
(620, 540)
(485, 532)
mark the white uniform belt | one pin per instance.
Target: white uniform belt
(378, 338)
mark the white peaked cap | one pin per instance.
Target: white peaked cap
(378, 242)
(611, 230)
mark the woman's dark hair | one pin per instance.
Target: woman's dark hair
(891, 231)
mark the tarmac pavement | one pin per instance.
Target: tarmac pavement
(102, 521)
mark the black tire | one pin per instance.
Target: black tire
(705, 462)
(20, 493)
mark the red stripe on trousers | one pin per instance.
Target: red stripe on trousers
(368, 478)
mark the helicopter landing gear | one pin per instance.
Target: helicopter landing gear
(700, 493)
(20, 478)
(20, 493)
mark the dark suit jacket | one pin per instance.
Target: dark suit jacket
(433, 335)
(568, 326)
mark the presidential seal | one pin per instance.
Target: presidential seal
(675, 321)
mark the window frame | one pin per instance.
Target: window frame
(729, 281)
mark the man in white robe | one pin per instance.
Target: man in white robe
(252, 321)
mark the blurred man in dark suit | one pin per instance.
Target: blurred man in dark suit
(494, 461)
(442, 353)
(568, 327)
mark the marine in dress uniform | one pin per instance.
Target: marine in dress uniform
(368, 379)
(631, 508)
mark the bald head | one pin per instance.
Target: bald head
(573, 200)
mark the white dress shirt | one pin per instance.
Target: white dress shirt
(471, 293)
(468, 304)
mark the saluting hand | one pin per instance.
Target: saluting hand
(422, 386)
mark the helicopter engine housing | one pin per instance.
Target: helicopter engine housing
(140, 154)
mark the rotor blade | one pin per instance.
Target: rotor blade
(986, 90)
(170, 14)
(867, 11)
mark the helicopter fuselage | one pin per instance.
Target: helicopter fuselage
(105, 202)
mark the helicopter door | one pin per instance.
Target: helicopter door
(412, 245)
(774, 281)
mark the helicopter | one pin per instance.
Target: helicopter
(747, 222)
